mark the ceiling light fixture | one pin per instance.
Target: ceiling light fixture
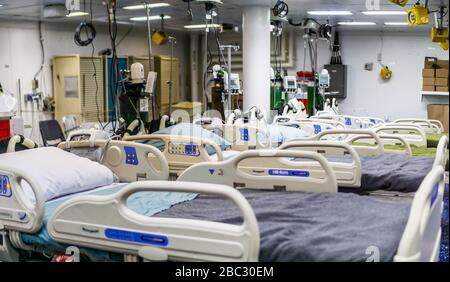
(202, 26)
(356, 23)
(396, 23)
(384, 13)
(330, 13)
(151, 18)
(142, 6)
(76, 14)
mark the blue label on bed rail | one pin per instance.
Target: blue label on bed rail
(348, 121)
(5, 187)
(317, 129)
(373, 121)
(434, 194)
(135, 237)
(131, 156)
(293, 173)
(244, 134)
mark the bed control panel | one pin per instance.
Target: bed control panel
(184, 149)
(131, 156)
(244, 134)
(5, 187)
(136, 237)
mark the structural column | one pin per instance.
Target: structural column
(256, 56)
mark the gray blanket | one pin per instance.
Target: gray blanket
(399, 173)
(296, 226)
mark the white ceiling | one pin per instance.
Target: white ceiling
(230, 11)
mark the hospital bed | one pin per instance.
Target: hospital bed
(206, 228)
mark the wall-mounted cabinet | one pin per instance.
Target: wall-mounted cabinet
(78, 87)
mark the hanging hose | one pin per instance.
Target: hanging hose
(90, 32)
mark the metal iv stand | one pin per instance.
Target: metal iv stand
(226, 96)
(172, 41)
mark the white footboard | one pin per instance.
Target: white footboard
(347, 174)
(422, 236)
(106, 223)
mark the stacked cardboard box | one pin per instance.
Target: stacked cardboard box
(435, 75)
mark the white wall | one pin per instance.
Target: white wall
(20, 56)
(367, 93)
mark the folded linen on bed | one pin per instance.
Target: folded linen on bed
(296, 226)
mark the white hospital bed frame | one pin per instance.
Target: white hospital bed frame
(175, 153)
(151, 163)
(243, 137)
(430, 126)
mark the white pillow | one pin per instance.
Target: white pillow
(58, 172)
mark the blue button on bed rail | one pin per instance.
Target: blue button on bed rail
(5, 187)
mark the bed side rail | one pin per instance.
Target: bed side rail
(430, 126)
(387, 140)
(311, 127)
(247, 170)
(128, 160)
(107, 223)
(422, 235)
(20, 140)
(16, 211)
(441, 152)
(347, 174)
(182, 151)
(351, 136)
(413, 134)
(243, 137)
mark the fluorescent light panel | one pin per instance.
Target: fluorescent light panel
(152, 18)
(330, 13)
(384, 13)
(396, 23)
(151, 6)
(76, 14)
(200, 26)
(356, 23)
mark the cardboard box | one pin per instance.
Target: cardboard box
(429, 81)
(442, 64)
(442, 88)
(429, 88)
(442, 73)
(428, 73)
(441, 82)
(439, 112)
(430, 62)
